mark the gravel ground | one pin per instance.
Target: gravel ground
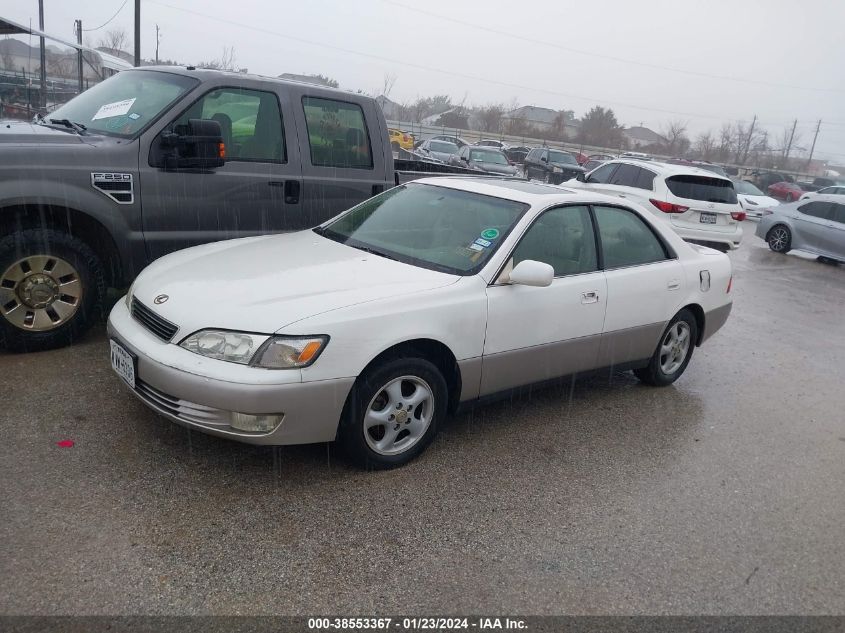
(720, 495)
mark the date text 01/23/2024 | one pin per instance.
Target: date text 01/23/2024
(415, 624)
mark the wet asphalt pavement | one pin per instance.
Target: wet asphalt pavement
(724, 494)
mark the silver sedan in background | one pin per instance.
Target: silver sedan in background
(816, 226)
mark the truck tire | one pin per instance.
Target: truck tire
(52, 288)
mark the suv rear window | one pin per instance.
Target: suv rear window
(702, 188)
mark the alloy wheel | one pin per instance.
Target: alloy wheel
(40, 292)
(778, 239)
(674, 348)
(398, 415)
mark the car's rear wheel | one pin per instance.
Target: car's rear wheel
(393, 412)
(673, 352)
(51, 289)
(779, 238)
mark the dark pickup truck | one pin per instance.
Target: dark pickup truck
(161, 158)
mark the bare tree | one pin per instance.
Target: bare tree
(226, 61)
(490, 117)
(115, 39)
(705, 145)
(388, 83)
(7, 60)
(675, 133)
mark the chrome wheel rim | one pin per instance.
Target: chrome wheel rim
(674, 348)
(777, 239)
(40, 292)
(398, 415)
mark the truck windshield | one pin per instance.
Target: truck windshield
(125, 103)
(429, 226)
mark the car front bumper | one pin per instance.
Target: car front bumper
(200, 400)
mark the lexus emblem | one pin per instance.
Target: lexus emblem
(160, 299)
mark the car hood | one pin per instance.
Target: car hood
(569, 167)
(493, 168)
(25, 132)
(265, 283)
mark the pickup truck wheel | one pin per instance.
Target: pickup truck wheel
(673, 353)
(392, 413)
(51, 289)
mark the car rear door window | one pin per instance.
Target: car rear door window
(250, 123)
(626, 240)
(625, 175)
(645, 179)
(563, 238)
(838, 212)
(702, 188)
(337, 134)
(602, 174)
(817, 209)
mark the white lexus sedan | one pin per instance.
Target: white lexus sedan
(370, 328)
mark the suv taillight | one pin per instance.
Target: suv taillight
(668, 207)
(739, 216)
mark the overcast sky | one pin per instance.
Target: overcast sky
(778, 59)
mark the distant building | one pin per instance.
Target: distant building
(543, 119)
(392, 110)
(643, 137)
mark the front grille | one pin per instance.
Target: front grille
(159, 326)
(182, 409)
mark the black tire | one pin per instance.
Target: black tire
(779, 238)
(48, 242)
(367, 387)
(653, 374)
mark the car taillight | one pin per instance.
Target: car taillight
(221, 150)
(668, 207)
(739, 216)
(730, 283)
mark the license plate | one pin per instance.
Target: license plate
(707, 218)
(123, 362)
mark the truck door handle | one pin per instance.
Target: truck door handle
(591, 296)
(673, 284)
(291, 192)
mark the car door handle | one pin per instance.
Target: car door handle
(591, 296)
(673, 284)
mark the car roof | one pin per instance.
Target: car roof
(668, 169)
(529, 192)
(825, 197)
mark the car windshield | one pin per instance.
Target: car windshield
(562, 158)
(125, 103)
(429, 226)
(444, 147)
(702, 188)
(746, 188)
(488, 156)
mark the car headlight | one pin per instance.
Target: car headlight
(258, 350)
(129, 294)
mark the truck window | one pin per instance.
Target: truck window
(250, 121)
(337, 134)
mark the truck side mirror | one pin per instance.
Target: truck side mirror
(197, 145)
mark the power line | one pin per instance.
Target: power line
(453, 73)
(109, 20)
(632, 62)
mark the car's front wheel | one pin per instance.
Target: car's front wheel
(51, 289)
(393, 412)
(673, 352)
(779, 239)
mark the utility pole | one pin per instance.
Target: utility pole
(158, 39)
(789, 145)
(43, 99)
(137, 32)
(813, 147)
(748, 141)
(78, 27)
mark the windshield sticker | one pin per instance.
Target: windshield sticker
(476, 247)
(134, 116)
(483, 243)
(490, 234)
(113, 109)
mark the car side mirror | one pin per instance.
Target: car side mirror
(581, 176)
(197, 145)
(529, 272)
(544, 159)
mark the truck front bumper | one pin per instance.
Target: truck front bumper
(309, 411)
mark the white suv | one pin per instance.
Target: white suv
(701, 206)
